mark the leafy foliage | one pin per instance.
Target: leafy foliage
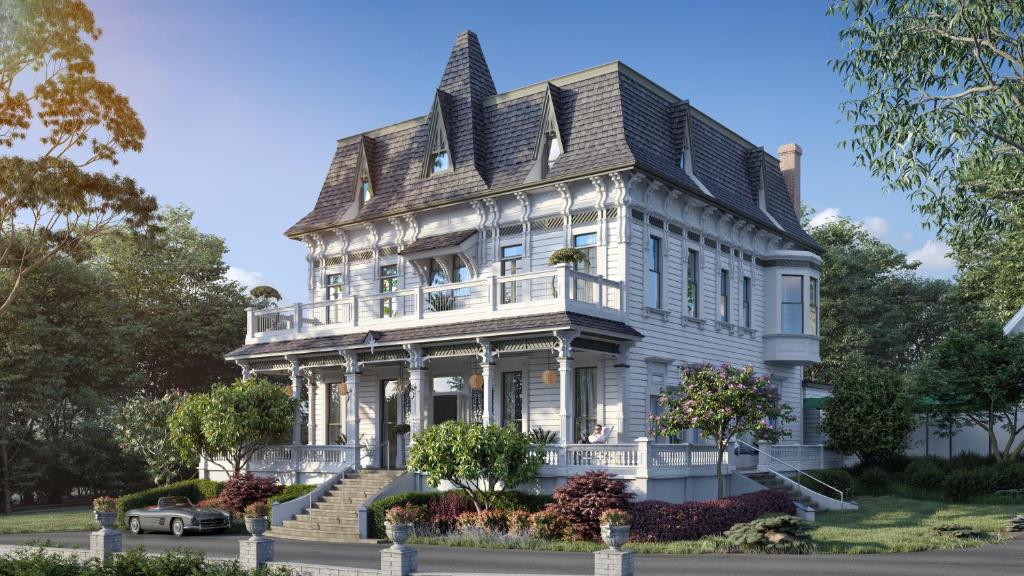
(475, 458)
(863, 394)
(232, 421)
(583, 499)
(657, 521)
(568, 256)
(977, 378)
(777, 535)
(134, 562)
(444, 508)
(873, 480)
(724, 402)
(244, 489)
(142, 431)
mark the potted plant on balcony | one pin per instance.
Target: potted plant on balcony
(256, 519)
(568, 256)
(398, 524)
(105, 509)
(615, 528)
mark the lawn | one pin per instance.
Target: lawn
(883, 524)
(65, 520)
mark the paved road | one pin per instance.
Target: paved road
(989, 561)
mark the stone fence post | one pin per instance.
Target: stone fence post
(106, 541)
(613, 563)
(398, 560)
(255, 552)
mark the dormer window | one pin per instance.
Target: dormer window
(553, 147)
(439, 162)
(438, 156)
(363, 183)
(365, 190)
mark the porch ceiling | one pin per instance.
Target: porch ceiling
(588, 326)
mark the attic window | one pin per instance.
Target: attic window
(438, 156)
(365, 190)
(553, 147)
(439, 162)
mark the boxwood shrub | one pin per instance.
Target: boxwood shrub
(290, 492)
(195, 490)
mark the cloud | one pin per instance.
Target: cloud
(876, 225)
(933, 258)
(824, 216)
(245, 277)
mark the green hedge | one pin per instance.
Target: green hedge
(290, 492)
(134, 562)
(195, 490)
(508, 500)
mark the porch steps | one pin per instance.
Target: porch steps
(335, 517)
(772, 482)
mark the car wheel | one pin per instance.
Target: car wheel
(134, 525)
(178, 527)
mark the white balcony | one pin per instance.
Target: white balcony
(797, 349)
(557, 289)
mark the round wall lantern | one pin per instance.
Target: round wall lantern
(549, 377)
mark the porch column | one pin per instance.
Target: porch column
(352, 372)
(565, 386)
(621, 432)
(297, 395)
(487, 372)
(312, 384)
(417, 393)
(246, 370)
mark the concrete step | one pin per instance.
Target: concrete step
(311, 535)
(336, 506)
(337, 526)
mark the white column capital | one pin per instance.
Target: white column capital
(563, 342)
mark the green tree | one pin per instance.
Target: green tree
(184, 310)
(476, 458)
(724, 402)
(142, 431)
(232, 422)
(870, 413)
(264, 296)
(49, 203)
(938, 113)
(873, 305)
(977, 378)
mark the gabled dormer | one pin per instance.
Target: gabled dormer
(364, 190)
(550, 143)
(438, 157)
(758, 189)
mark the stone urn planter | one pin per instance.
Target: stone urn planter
(107, 520)
(614, 536)
(256, 527)
(398, 533)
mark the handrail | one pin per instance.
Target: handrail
(842, 497)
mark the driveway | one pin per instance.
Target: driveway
(989, 561)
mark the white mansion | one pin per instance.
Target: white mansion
(431, 297)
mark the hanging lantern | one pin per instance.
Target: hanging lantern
(549, 377)
(476, 381)
(287, 390)
(343, 388)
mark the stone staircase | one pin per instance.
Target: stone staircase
(772, 482)
(335, 517)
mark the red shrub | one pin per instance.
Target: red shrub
(656, 521)
(244, 489)
(444, 511)
(582, 500)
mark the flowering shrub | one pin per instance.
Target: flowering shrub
(548, 524)
(445, 511)
(518, 522)
(257, 510)
(615, 518)
(244, 489)
(489, 521)
(656, 521)
(582, 500)
(104, 504)
(407, 514)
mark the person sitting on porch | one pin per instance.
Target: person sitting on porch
(600, 435)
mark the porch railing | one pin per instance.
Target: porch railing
(643, 459)
(801, 456)
(556, 288)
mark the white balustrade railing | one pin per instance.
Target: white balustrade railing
(544, 288)
(803, 456)
(643, 459)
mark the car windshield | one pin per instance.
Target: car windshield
(174, 501)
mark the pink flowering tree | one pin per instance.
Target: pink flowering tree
(723, 402)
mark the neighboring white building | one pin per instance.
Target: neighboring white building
(431, 297)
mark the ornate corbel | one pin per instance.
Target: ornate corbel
(416, 359)
(563, 342)
(486, 353)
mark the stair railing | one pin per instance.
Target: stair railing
(842, 497)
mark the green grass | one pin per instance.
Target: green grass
(66, 520)
(884, 524)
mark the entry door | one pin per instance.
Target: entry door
(446, 407)
(390, 401)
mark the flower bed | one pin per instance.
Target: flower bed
(655, 521)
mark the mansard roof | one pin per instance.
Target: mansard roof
(610, 118)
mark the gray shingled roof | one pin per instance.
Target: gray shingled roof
(610, 118)
(583, 323)
(439, 241)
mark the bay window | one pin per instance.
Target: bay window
(792, 304)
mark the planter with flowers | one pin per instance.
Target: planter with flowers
(256, 519)
(105, 509)
(615, 528)
(398, 524)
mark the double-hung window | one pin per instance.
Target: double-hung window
(654, 272)
(388, 284)
(747, 295)
(814, 305)
(692, 283)
(335, 291)
(585, 289)
(723, 296)
(792, 304)
(511, 262)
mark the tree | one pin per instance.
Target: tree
(724, 403)
(476, 458)
(142, 431)
(50, 204)
(264, 296)
(977, 378)
(874, 308)
(870, 413)
(185, 311)
(938, 113)
(232, 422)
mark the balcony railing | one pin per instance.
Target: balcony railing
(644, 459)
(555, 289)
(802, 456)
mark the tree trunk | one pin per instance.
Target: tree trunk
(7, 477)
(718, 471)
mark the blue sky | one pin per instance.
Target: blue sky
(243, 101)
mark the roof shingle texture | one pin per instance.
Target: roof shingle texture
(607, 121)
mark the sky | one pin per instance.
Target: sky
(243, 100)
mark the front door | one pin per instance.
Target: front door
(446, 408)
(393, 404)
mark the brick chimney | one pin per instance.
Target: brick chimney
(789, 164)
